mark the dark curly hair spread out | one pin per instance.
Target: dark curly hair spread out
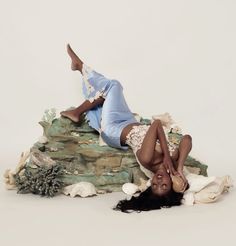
(148, 201)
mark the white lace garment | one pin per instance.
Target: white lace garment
(135, 139)
(136, 136)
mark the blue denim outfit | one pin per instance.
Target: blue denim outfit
(110, 118)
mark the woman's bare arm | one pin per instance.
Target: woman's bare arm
(185, 147)
(181, 155)
(146, 153)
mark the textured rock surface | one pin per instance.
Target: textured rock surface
(75, 149)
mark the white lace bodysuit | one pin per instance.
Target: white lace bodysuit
(135, 138)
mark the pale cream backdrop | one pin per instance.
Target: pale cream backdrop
(171, 56)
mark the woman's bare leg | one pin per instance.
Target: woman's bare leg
(77, 64)
(85, 106)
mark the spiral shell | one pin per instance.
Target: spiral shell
(178, 184)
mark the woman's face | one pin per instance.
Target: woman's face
(161, 182)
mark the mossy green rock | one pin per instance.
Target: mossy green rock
(75, 147)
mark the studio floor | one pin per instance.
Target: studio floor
(32, 220)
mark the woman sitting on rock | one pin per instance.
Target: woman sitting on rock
(108, 113)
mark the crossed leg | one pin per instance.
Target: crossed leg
(74, 114)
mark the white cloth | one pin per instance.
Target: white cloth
(206, 189)
(201, 189)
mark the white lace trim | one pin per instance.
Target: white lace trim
(136, 136)
(97, 95)
(87, 73)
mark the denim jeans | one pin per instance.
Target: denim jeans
(110, 118)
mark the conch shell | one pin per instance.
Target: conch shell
(178, 184)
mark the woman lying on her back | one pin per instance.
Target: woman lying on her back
(159, 158)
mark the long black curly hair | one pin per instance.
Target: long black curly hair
(147, 200)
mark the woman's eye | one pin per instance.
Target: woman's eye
(164, 186)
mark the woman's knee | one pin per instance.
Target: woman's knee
(116, 82)
(157, 122)
(188, 138)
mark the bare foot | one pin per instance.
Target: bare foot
(71, 114)
(76, 63)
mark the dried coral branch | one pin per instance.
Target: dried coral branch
(44, 181)
(49, 115)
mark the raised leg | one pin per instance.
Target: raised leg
(98, 89)
(76, 63)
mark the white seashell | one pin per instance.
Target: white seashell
(130, 188)
(83, 189)
(43, 139)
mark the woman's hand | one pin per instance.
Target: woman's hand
(167, 161)
(181, 174)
